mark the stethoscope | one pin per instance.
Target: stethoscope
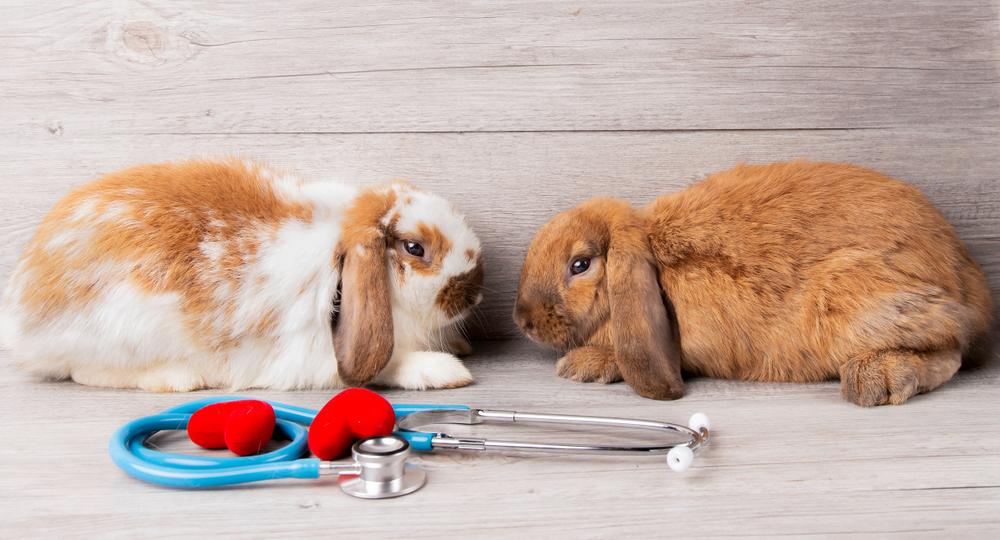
(379, 468)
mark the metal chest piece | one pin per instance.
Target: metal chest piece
(383, 470)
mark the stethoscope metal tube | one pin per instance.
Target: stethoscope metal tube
(379, 468)
(479, 416)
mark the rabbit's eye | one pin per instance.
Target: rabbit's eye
(579, 266)
(413, 248)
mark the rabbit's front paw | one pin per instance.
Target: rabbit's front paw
(589, 364)
(421, 370)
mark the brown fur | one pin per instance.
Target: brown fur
(363, 333)
(461, 291)
(434, 241)
(589, 363)
(436, 245)
(168, 213)
(785, 272)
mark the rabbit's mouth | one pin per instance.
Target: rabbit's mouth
(533, 336)
(548, 326)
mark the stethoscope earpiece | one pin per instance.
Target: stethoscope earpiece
(679, 458)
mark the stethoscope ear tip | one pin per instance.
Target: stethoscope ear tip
(698, 422)
(679, 458)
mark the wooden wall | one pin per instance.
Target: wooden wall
(514, 110)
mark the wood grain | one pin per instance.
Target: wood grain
(510, 183)
(787, 460)
(321, 66)
(516, 110)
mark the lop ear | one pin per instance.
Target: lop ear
(363, 335)
(646, 347)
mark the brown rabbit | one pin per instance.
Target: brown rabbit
(785, 272)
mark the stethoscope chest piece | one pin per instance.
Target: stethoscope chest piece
(382, 471)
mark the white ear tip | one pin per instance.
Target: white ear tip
(679, 458)
(699, 421)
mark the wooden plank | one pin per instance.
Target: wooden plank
(509, 184)
(787, 460)
(327, 66)
(517, 110)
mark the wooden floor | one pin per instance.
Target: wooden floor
(515, 110)
(786, 460)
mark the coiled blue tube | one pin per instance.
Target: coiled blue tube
(186, 471)
(129, 452)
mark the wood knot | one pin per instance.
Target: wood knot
(144, 38)
(148, 43)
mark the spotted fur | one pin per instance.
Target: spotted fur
(206, 274)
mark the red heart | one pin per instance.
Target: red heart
(243, 426)
(355, 413)
(207, 425)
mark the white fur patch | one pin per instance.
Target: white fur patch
(212, 250)
(417, 296)
(275, 312)
(65, 239)
(85, 210)
(125, 331)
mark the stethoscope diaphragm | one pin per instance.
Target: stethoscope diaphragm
(382, 471)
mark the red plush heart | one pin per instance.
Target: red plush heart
(243, 426)
(250, 427)
(207, 425)
(355, 413)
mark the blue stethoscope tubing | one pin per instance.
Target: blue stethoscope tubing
(129, 452)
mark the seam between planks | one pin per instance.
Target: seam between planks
(526, 131)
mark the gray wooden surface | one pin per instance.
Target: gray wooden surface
(516, 110)
(788, 459)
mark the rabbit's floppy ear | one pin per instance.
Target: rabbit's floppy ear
(643, 338)
(363, 335)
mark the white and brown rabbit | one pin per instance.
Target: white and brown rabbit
(204, 274)
(785, 272)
